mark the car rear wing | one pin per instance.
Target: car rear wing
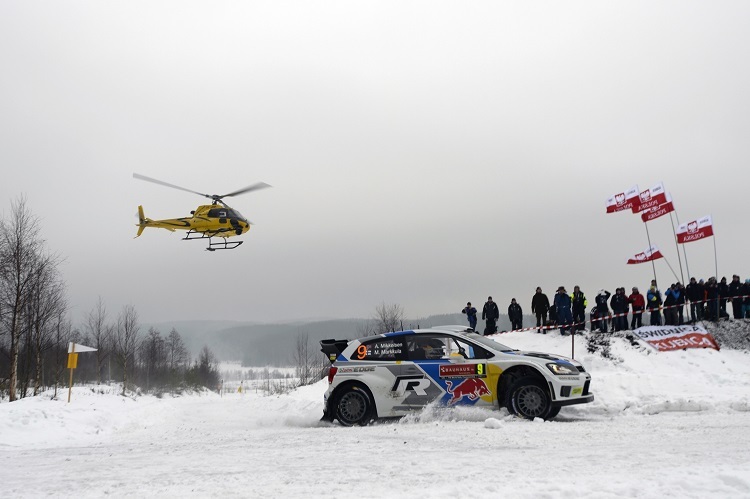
(332, 348)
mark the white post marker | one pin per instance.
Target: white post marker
(73, 351)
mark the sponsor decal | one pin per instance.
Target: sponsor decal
(417, 384)
(356, 369)
(578, 390)
(472, 388)
(462, 370)
(669, 338)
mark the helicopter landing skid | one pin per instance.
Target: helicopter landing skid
(212, 246)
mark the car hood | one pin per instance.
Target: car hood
(546, 356)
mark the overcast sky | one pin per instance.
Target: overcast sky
(421, 153)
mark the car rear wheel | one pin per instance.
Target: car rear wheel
(529, 399)
(353, 406)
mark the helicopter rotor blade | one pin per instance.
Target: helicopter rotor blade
(160, 182)
(254, 187)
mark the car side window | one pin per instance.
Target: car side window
(466, 350)
(427, 347)
(383, 349)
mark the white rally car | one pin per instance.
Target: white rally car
(393, 374)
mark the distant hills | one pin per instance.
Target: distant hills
(256, 344)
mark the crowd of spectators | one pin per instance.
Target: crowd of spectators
(707, 300)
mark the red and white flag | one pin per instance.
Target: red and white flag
(623, 200)
(650, 254)
(695, 230)
(650, 198)
(658, 211)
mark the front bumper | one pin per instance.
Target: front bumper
(578, 400)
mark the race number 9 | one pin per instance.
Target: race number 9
(361, 352)
(480, 369)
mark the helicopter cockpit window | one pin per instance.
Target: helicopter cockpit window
(218, 213)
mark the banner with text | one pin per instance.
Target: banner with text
(649, 255)
(650, 198)
(623, 200)
(657, 211)
(668, 338)
(695, 230)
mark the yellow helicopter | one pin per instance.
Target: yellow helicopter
(207, 221)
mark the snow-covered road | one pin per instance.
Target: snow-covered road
(655, 431)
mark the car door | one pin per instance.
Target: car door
(457, 371)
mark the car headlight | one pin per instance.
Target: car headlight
(563, 369)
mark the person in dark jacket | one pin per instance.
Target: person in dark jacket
(579, 308)
(735, 291)
(594, 319)
(515, 314)
(680, 303)
(653, 301)
(746, 301)
(471, 315)
(619, 303)
(723, 297)
(540, 306)
(712, 299)
(602, 310)
(562, 306)
(695, 293)
(490, 314)
(638, 302)
(670, 306)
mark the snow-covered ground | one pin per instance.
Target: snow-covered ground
(673, 424)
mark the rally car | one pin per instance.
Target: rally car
(393, 374)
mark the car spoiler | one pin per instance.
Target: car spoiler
(332, 348)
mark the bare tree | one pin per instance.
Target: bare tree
(126, 340)
(63, 334)
(46, 302)
(309, 363)
(100, 332)
(388, 317)
(19, 249)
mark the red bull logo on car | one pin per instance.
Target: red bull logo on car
(471, 388)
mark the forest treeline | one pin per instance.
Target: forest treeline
(35, 328)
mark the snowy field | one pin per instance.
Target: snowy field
(673, 424)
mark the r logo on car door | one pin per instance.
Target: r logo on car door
(417, 384)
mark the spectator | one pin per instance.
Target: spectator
(579, 308)
(602, 310)
(594, 319)
(471, 315)
(653, 299)
(695, 293)
(638, 302)
(540, 306)
(735, 291)
(515, 314)
(746, 302)
(712, 299)
(680, 303)
(723, 298)
(619, 303)
(670, 304)
(490, 314)
(552, 322)
(564, 314)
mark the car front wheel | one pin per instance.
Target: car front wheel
(529, 399)
(353, 407)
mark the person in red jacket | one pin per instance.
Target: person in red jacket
(638, 302)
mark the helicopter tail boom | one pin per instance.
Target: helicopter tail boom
(142, 221)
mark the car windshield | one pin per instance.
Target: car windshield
(491, 344)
